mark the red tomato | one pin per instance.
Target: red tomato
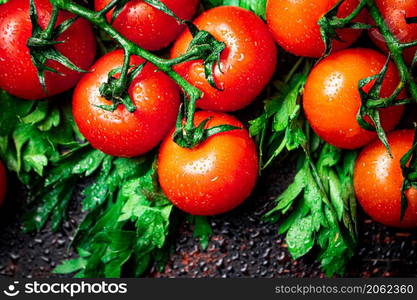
(3, 183)
(395, 12)
(18, 75)
(294, 24)
(247, 63)
(147, 26)
(121, 133)
(331, 98)
(214, 177)
(378, 180)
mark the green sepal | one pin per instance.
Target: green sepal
(197, 135)
(162, 7)
(42, 44)
(212, 50)
(373, 112)
(327, 31)
(207, 48)
(329, 23)
(108, 89)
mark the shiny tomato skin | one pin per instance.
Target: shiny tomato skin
(395, 13)
(294, 25)
(18, 75)
(331, 98)
(149, 27)
(247, 63)
(378, 180)
(3, 183)
(121, 133)
(216, 176)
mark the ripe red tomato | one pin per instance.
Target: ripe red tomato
(378, 180)
(121, 133)
(147, 26)
(395, 13)
(3, 183)
(294, 24)
(214, 177)
(18, 75)
(247, 63)
(331, 98)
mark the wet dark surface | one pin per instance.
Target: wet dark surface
(242, 245)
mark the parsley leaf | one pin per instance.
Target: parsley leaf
(127, 222)
(202, 229)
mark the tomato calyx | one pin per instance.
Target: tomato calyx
(372, 101)
(203, 46)
(329, 23)
(187, 136)
(42, 44)
(409, 171)
(116, 89)
(207, 48)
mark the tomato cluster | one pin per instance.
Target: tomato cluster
(220, 172)
(332, 100)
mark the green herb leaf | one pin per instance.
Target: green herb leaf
(202, 229)
(300, 237)
(280, 118)
(127, 219)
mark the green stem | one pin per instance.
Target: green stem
(342, 22)
(130, 48)
(395, 47)
(108, 8)
(408, 45)
(121, 83)
(165, 65)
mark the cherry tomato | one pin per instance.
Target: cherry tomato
(121, 133)
(18, 75)
(395, 13)
(246, 65)
(331, 98)
(214, 177)
(3, 183)
(378, 180)
(147, 26)
(294, 24)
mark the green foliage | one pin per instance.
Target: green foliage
(128, 221)
(39, 141)
(126, 215)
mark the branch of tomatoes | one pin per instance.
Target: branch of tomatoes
(330, 22)
(372, 101)
(203, 46)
